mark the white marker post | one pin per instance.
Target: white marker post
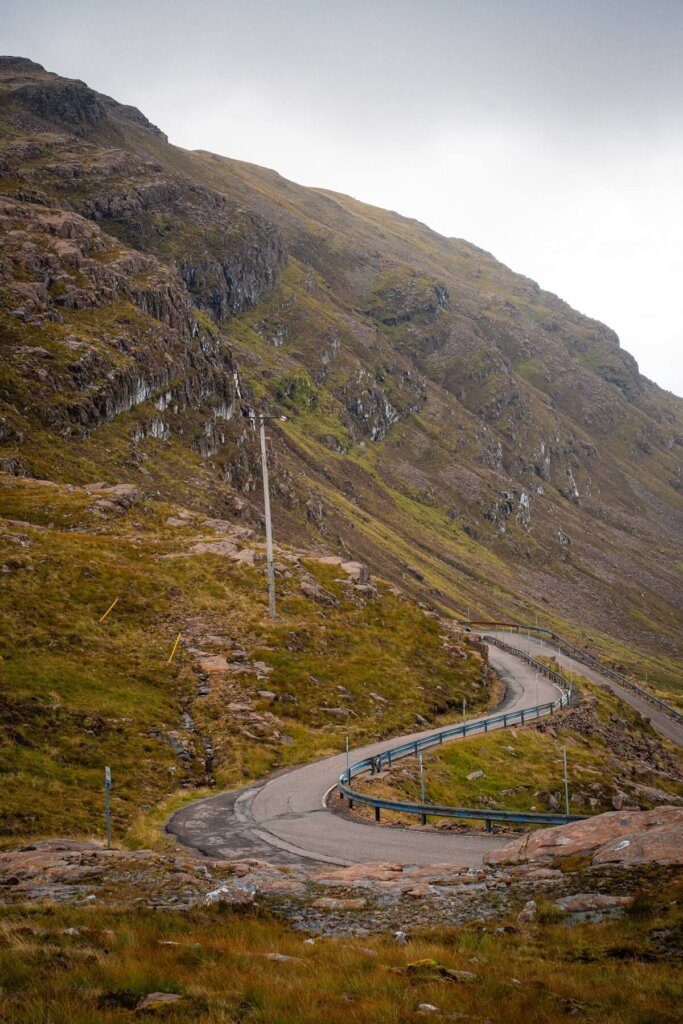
(566, 781)
(107, 815)
(422, 786)
(348, 777)
(269, 528)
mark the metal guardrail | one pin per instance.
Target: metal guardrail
(587, 659)
(387, 757)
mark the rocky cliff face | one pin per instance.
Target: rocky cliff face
(117, 329)
(230, 259)
(466, 432)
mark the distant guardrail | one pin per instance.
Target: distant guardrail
(580, 655)
(386, 758)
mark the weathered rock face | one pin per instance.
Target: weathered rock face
(118, 330)
(240, 275)
(56, 260)
(107, 269)
(403, 296)
(637, 837)
(229, 258)
(375, 405)
(71, 103)
(428, 374)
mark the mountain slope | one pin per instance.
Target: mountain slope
(470, 435)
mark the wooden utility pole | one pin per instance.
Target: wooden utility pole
(269, 527)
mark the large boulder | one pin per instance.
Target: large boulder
(632, 837)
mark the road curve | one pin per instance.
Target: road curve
(285, 819)
(538, 647)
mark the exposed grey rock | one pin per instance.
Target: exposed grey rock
(528, 913)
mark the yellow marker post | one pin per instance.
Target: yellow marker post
(114, 602)
(175, 647)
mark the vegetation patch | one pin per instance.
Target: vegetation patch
(242, 696)
(614, 759)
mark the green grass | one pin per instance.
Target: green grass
(619, 971)
(522, 766)
(77, 693)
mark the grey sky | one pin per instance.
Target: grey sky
(549, 132)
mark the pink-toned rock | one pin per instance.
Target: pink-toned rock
(657, 795)
(330, 903)
(535, 874)
(214, 547)
(626, 837)
(421, 889)
(214, 663)
(375, 871)
(224, 526)
(584, 902)
(54, 845)
(357, 571)
(155, 999)
(528, 913)
(282, 886)
(244, 557)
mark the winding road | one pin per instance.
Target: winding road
(539, 647)
(286, 820)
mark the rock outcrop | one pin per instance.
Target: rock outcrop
(637, 837)
(118, 325)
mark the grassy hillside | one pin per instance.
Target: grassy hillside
(612, 753)
(435, 415)
(243, 694)
(467, 433)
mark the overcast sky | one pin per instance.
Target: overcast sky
(549, 132)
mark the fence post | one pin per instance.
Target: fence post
(107, 814)
(376, 813)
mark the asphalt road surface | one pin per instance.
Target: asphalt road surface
(285, 819)
(536, 646)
